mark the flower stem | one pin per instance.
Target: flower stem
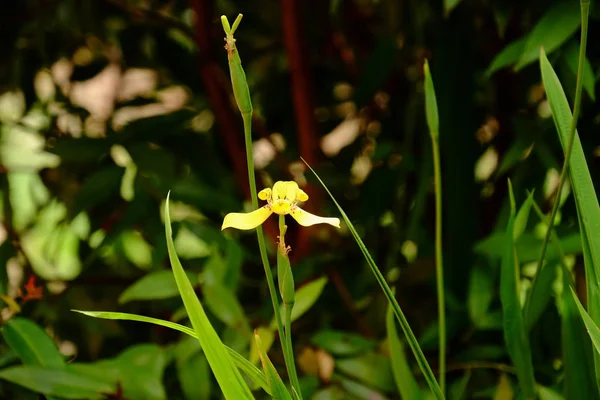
(439, 267)
(288, 304)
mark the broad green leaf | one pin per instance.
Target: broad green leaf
(481, 293)
(410, 336)
(243, 364)
(403, 375)
(138, 371)
(306, 296)
(31, 343)
(515, 334)
(370, 368)
(194, 377)
(278, 389)
(340, 343)
(508, 56)
(57, 381)
(154, 286)
(230, 381)
(223, 303)
(572, 58)
(528, 246)
(551, 31)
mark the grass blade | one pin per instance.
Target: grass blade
(410, 336)
(515, 334)
(246, 366)
(229, 378)
(278, 389)
(586, 201)
(577, 352)
(405, 380)
(590, 325)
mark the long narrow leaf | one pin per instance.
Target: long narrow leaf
(229, 378)
(410, 336)
(405, 380)
(586, 201)
(515, 334)
(246, 366)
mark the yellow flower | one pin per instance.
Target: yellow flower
(282, 200)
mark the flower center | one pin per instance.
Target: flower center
(281, 206)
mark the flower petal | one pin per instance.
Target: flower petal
(265, 194)
(246, 221)
(305, 218)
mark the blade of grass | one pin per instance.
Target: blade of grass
(566, 125)
(431, 110)
(405, 380)
(590, 325)
(230, 381)
(410, 336)
(246, 366)
(515, 334)
(577, 353)
(586, 201)
(278, 389)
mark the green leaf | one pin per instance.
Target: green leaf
(481, 293)
(590, 325)
(431, 108)
(59, 382)
(551, 31)
(580, 380)
(586, 200)
(154, 286)
(306, 297)
(540, 294)
(223, 303)
(278, 389)
(243, 364)
(31, 343)
(193, 373)
(403, 376)
(410, 336)
(371, 368)
(340, 343)
(508, 56)
(572, 59)
(230, 381)
(515, 334)
(523, 216)
(449, 5)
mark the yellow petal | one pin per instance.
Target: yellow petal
(301, 195)
(305, 218)
(246, 221)
(264, 194)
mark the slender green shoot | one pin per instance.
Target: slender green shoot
(286, 287)
(431, 112)
(585, 8)
(242, 97)
(410, 336)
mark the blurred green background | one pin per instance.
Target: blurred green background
(106, 105)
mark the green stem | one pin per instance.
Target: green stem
(439, 267)
(288, 349)
(585, 6)
(247, 117)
